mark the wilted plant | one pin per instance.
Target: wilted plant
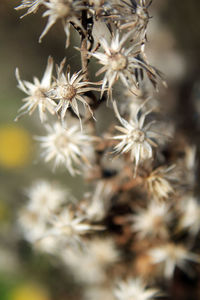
(137, 208)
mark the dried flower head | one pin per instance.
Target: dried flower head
(68, 146)
(98, 203)
(66, 10)
(124, 63)
(104, 251)
(153, 220)
(136, 138)
(77, 261)
(189, 207)
(68, 228)
(171, 255)
(36, 92)
(32, 224)
(159, 182)
(135, 288)
(137, 16)
(103, 9)
(31, 5)
(45, 197)
(118, 62)
(68, 90)
(97, 254)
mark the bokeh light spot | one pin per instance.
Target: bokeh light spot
(29, 292)
(15, 146)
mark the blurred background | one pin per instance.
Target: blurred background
(174, 47)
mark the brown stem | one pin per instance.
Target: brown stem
(84, 58)
(93, 102)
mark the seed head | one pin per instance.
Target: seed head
(67, 146)
(36, 92)
(136, 137)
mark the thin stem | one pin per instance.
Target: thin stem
(84, 58)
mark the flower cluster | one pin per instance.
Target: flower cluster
(140, 202)
(50, 218)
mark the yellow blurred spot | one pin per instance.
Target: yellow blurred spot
(29, 292)
(15, 146)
